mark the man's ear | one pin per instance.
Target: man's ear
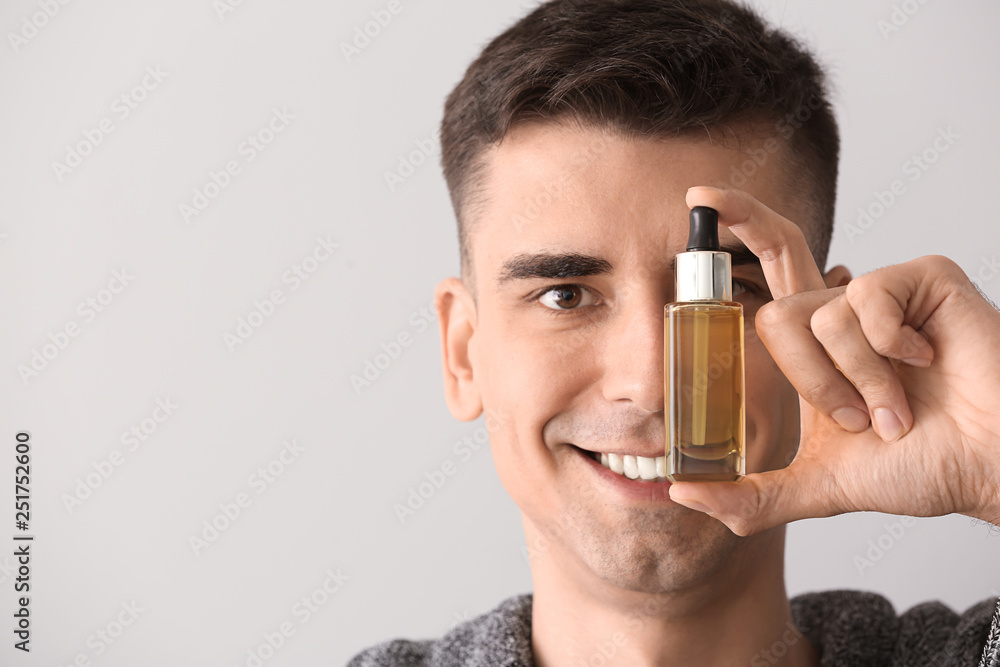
(457, 320)
(837, 276)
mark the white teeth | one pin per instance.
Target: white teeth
(636, 467)
(631, 467)
(647, 467)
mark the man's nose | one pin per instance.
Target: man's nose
(633, 355)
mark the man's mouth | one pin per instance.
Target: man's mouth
(639, 468)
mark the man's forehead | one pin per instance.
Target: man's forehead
(533, 149)
(554, 212)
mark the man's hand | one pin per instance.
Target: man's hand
(898, 375)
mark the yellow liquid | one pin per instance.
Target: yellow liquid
(704, 390)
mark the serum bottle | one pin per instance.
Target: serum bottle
(703, 355)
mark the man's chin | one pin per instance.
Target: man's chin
(651, 549)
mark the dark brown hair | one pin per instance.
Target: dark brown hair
(648, 68)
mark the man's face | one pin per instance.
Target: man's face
(565, 346)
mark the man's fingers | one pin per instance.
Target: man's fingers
(784, 328)
(788, 264)
(884, 302)
(837, 327)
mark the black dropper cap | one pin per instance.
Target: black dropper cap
(704, 233)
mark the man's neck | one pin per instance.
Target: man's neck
(743, 618)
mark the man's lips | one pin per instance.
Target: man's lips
(629, 489)
(646, 451)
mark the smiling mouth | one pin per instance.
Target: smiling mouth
(638, 468)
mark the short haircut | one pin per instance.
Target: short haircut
(644, 68)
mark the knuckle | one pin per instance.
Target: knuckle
(852, 287)
(942, 264)
(740, 526)
(945, 268)
(877, 389)
(775, 314)
(748, 507)
(777, 245)
(858, 289)
(822, 389)
(884, 345)
(746, 518)
(826, 322)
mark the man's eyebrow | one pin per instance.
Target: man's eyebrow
(741, 256)
(552, 265)
(575, 265)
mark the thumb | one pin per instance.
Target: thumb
(755, 502)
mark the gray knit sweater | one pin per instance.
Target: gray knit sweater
(850, 628)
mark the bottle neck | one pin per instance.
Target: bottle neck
(703, 275)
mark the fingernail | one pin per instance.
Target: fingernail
(916, 361)
(887, 424)
(851, 419)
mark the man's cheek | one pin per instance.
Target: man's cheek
(515, 381)
(761, 369)
(534, 364)
(772, 411)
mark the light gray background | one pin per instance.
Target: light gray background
(324, 175)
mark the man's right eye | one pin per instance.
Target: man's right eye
(741, 287)
(566, 297)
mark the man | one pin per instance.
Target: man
(573, 150)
